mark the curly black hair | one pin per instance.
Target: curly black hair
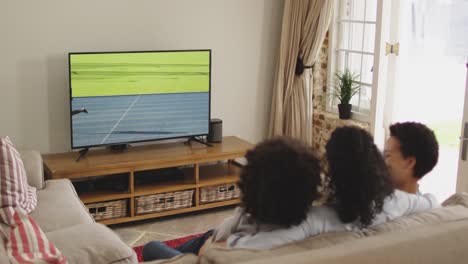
(359, 180)
(417, 140)
(280, 181)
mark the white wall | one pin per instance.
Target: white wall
(35, 37)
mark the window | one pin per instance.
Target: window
(352, 46)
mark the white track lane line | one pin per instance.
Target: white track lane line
(112, 130)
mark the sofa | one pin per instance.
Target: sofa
(436, 236)
(66, 222)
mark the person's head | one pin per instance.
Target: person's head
(358, 178)
(410, 152)
(279, 182)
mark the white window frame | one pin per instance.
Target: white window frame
(332, 58)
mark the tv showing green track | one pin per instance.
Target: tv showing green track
(125, 97)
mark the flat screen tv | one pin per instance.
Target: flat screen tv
(126, 97)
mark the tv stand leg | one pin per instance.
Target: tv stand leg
(82, 153)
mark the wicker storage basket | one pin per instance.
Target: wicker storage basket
(107, 210)
(219, 193)
(163, 202)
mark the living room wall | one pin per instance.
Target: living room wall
(35, 37)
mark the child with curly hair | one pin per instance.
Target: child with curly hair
(278, 185)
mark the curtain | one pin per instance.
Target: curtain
(305, 24)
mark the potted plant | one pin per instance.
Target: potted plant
(346, 86)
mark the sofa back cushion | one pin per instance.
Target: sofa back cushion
(427, 244)
(25, 242)
(34, 167)
(457, 199)
(455, 209)
(14, 188)
(59, 206)
(223, 255)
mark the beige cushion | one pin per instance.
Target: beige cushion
(91, 243)
(457, 199)
(446, 244)
(222, 255)
(182, 259)
(34, 169)
(59, 207)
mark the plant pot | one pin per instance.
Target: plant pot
(344, 111)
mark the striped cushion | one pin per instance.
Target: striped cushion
(24, 240)
(14, 187)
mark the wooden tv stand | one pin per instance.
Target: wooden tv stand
(203, 166)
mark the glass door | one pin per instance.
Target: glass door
(426, 78)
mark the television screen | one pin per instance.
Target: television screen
(124, 97)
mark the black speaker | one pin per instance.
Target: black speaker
(216, 131)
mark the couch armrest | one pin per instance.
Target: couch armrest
(92, 243)
(34, 168)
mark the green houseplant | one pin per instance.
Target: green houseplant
(345, 87)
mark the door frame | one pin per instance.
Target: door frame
(462, 181)
(378, 126)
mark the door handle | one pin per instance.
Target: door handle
(464, 140)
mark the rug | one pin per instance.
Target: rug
(172, 243)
